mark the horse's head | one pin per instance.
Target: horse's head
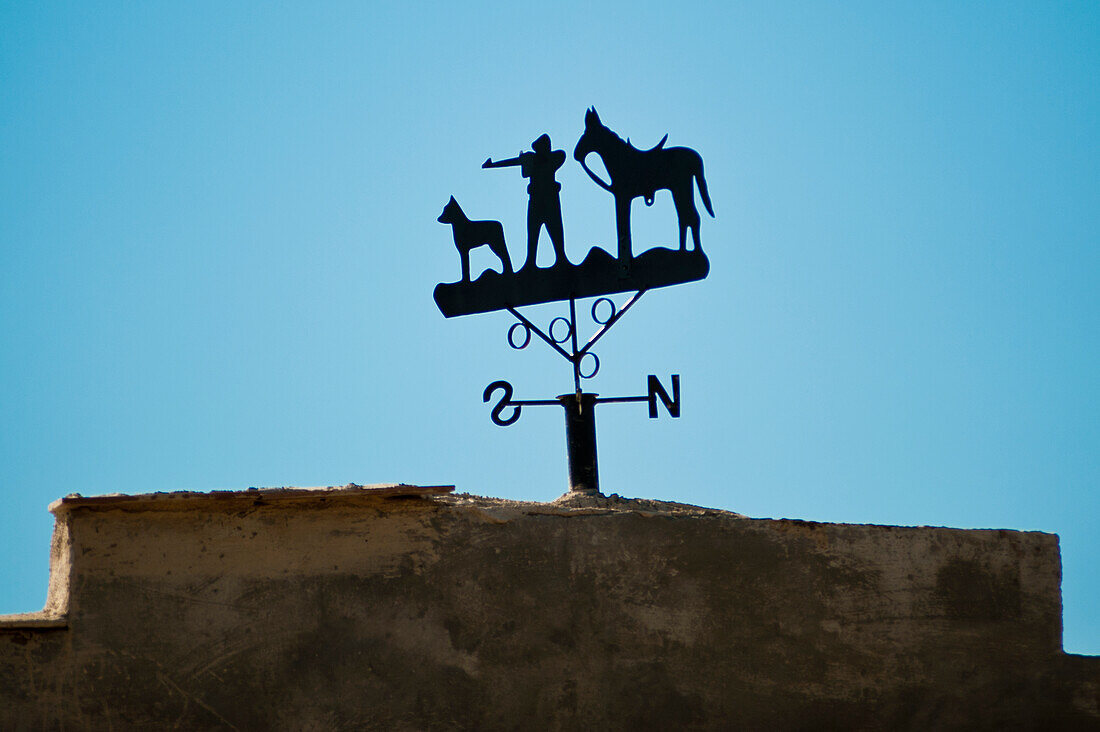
(594, 139)
(589, 140)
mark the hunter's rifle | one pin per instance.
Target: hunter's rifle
(510, 162)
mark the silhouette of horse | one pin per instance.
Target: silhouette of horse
(635, 173)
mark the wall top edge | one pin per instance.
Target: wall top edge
(174, 500)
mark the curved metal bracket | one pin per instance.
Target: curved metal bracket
(576, 354)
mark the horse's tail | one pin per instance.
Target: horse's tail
(702, 183)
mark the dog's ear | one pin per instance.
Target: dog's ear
(453, 201)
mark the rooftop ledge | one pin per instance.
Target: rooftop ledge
(497, 510)
(34, 620)
(571, 503)
(55, 615)
(175, 500)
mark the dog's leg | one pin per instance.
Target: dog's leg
(465, 254)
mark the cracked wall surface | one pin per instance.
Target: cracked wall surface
(402, 607)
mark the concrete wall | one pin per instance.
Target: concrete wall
(410, 608)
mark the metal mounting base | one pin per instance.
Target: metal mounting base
(580, 440)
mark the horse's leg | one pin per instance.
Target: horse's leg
(693, 222)
(678, 202)
(687, 214)
(622, 227)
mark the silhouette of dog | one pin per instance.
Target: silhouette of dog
(471, 234)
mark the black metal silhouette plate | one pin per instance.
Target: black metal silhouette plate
(632, 173)
(599, 274)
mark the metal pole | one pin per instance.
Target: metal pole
(580, 440)
(576, 359)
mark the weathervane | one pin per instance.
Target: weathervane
(632, 173)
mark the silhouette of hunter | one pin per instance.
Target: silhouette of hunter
(544, 206)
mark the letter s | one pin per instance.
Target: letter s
(503, 404)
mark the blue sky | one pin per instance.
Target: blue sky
(218, 242)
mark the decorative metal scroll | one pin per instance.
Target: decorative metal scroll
(632, 173)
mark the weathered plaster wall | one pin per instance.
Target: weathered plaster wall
(408, 608)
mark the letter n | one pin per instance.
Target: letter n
(656, 391)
